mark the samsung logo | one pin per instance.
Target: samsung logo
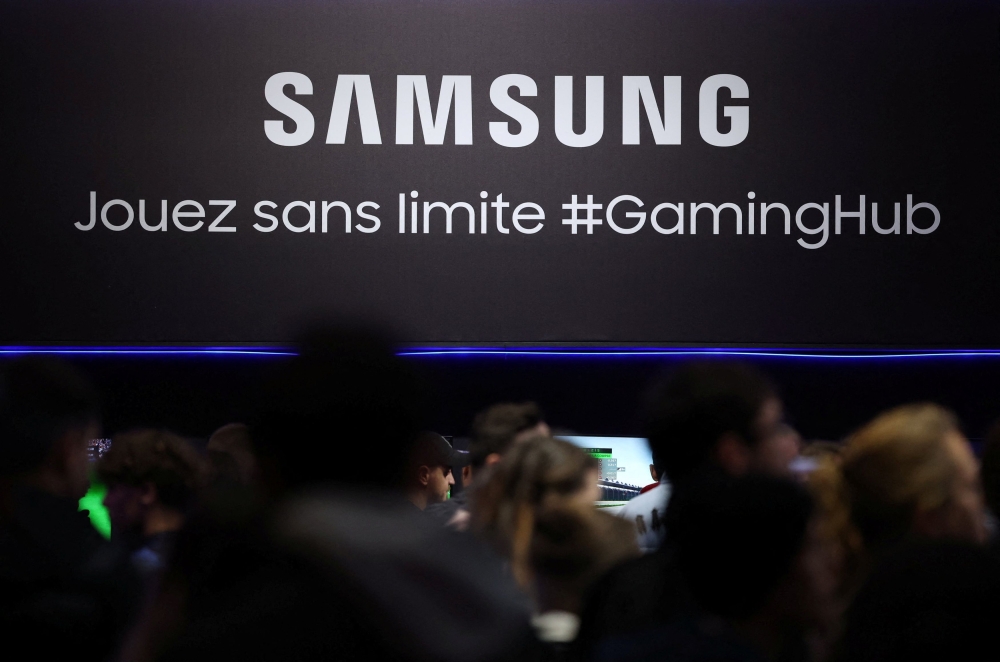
(454, 103)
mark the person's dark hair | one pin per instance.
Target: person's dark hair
(40, 399)
(990, 469)
(159, 457)
(346, 402)
(494, 428)
(693, 407)
(736, 538)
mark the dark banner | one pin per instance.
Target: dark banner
(502, 171)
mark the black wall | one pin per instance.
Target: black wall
(825, 398)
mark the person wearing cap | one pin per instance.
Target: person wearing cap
(429, 474)
(494, 431)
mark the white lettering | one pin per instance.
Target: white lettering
(274, 92)
(667, 133)
(348, 86)
(500, 96)
(641, 216)
(594, 127)
(519, 215)
(179, 214)
(273, 219)
(708, 103)
(434, 126)
(215, 227)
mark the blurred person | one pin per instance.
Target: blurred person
(152, 477)
(336, 565)
(711, 417)
(654, 473)
(989, 473)
(537, 507)
(757, 569)
(648, 509)
(494, 430)
(65, 592)
(429, 475)
(930, 600)
(908, 474)
(702, 420)
(813, 455)
(231, 454)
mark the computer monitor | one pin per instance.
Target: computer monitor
(624, 465)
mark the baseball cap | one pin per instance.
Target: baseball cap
(433, 450)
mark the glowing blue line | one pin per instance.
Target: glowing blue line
(524, 352)
(801, 354)
(134, 351)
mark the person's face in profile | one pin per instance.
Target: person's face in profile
(439, 482)
(778, 442)
(75, 458)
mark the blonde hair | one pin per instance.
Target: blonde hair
(897, 465)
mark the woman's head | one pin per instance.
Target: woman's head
(537, 506)
(536, 473)
(910, 472)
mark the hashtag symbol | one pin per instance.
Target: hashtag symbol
(575, 220)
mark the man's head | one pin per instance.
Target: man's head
(148, 473)
(48, 413)
(429, 474)
(498, 427)
(344, 397)
(720, 415)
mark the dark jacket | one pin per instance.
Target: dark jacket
(65, 592)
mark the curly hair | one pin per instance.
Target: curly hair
(159, 457)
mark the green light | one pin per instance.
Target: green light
(93, 503)
(599, 453)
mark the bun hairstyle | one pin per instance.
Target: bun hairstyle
(897, 465)
(529, 507)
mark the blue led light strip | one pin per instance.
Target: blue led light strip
(145, 351)
(521, 351)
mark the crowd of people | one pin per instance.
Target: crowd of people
(331, 527)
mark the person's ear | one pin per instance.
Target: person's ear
(732, 454)
(466, 475)
(148, 496)
(652, 474)
(491, 459)
(423, 475)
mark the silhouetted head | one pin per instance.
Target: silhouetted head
(346, 409)
(497, 427)
(48, 413)
(430, 470)
(148, 470)
(720, 415)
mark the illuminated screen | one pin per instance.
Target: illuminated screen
(623, 459)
